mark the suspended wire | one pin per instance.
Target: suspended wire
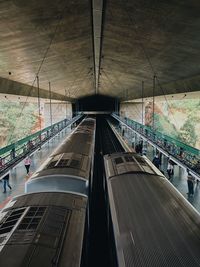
(60, 17)
(137, 111)
(85, 76)
(81, 72)
(166, 100)
(106, 75)
(75, 78)
(134, 24)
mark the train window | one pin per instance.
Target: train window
(74, 163)
(54, 225)
(32, 218)
(62, 163)
(119, 160)
(11, 221)
(129, 159)
(140, 160)
(51, 164)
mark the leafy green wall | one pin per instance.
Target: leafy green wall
(177, 118)
(16, 123)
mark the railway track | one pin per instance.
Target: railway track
(109, 142)
(106, 142)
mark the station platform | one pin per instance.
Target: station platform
(179, 179)
(18, 175)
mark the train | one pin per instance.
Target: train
(46, 225)
(149, 222)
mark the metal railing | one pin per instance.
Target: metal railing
(187, 155)
(14, 153)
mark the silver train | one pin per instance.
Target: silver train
(45, 226)
(152, 223)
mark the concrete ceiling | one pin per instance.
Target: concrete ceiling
(94, 46)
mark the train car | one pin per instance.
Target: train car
(152, 223)
(48, 226)
(70, 166)
(43, 229)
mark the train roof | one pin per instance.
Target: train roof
(66, 164)
(73, 157)
(153, 224)
(128, 162)
(41, 229)
(79, 142)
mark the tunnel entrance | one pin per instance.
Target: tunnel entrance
(96, 103)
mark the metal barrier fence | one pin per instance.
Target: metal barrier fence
(13, 153)
(186, 154)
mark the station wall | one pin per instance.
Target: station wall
(60, 111)
(19, 119)
(179, 119)
(132, 111)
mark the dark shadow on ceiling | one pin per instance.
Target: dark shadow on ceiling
(96, 103)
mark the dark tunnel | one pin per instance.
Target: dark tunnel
(96, 103)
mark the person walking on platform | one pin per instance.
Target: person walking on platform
(190, 182)
(197, 167)
(133, 142)
(6, 182)
(137, 148)
(156, 161)
(140, 147)
(27, 163)
(1, 163)
(123, 130)
(170, 169)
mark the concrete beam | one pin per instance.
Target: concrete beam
(186, 85)
(97, 6)
(16, 88)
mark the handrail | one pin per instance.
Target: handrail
(29, 137)
(13, 153)
(182, 154)
(186, 147)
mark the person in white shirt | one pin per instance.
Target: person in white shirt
(27, 163)
(190, 182)
(170, 169)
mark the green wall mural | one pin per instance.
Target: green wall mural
(15, 124)
(177, 118)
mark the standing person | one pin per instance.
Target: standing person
(12, 153)
(197, 166)
(1, 163)
(156, 161)
(144, 149)
(27, 163)
(133, 142)
(137, 148)
(140, 147)
(190, 182)
(123, 130)
(6, 182)
(170, 169)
